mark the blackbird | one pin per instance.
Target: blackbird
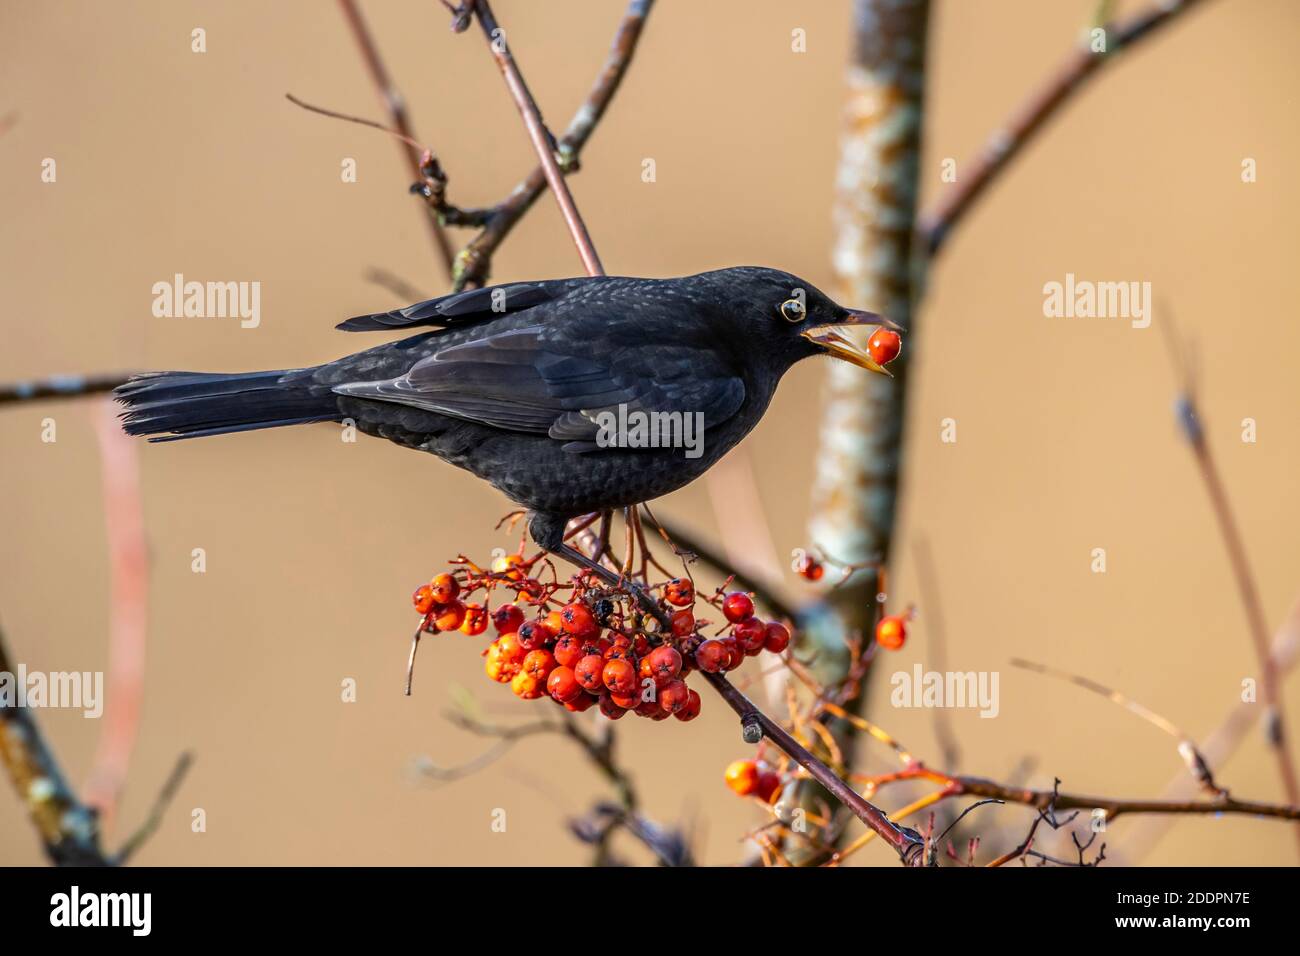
(541, 387)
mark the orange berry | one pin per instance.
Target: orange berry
(527, 686)
(891, 632)
(510, 566)
(742, 777)
(539, 664)
(476, 620)
(679, 592)
(449, 616)
(577, 619)
(619, 676)
(674, 696)
(423, 599)
(444, 588)
(884, 346)
(507, 618)
(562, 685)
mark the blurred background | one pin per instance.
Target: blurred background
(171, 162)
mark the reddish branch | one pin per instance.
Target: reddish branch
(1003, 146)
(474, 262)
(543, 142)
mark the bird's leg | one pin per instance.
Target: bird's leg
(602, 542)
(629, 545)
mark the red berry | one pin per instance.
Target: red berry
(563, 685)
(554, 624)
(533, 635)
(891, 632)
(626, 701)
(448, 617)
(674, 696)
(620, 652)
(884, 346)
(539, 664)
(580, 703)
(768, 785)
(476, 620)
(423, 599)
(619, 676)
(750, 635)
(810, 568)
(683, 622)
(576, 619)
(679, 592)
(665, 664)
(712, 656)
(444, 588)
(742, 776)
(735, 650)
(588, 672)
(692, 708)
(507, 618)
(737, 606)
(611, 709)
(569, 650)
(777, 638)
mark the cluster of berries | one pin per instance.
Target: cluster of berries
(584, 645)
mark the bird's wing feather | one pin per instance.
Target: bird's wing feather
(524, 380)
(463, 308)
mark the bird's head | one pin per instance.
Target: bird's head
(788, 319)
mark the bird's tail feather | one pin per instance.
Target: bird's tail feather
(175, 405)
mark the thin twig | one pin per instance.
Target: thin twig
(1010, 140)
(543, 143)
(158, 811)
(474, 262)
(392, 101)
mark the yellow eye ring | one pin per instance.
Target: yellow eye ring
(792, 310)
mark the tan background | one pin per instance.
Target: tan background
(170, 162)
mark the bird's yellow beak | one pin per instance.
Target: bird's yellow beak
(831, 337)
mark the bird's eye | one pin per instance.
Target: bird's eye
(793, 310)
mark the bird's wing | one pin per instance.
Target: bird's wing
(463, 308)
(522, 380)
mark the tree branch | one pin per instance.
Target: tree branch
(1044, 103)
(395, 105)
(543, 142)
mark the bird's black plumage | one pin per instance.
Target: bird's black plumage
(511, 381)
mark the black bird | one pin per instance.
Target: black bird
(526, 385)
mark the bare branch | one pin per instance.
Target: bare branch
(1044, 103)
